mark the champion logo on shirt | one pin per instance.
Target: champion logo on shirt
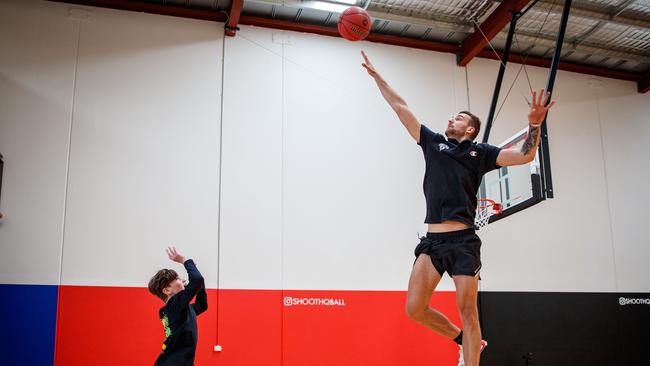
(443, 147)
(473, 153)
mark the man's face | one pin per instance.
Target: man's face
(457, 126)
(174, 287)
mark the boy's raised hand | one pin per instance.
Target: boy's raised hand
(174, 255)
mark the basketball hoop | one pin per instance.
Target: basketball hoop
(485, 208)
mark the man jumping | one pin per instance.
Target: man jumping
(454, 168)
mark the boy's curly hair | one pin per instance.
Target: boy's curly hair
(161, 280)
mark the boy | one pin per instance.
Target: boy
(178, 316)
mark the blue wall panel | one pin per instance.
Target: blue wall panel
(28, 324)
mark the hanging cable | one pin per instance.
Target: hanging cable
(525, 57)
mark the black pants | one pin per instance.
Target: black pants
(456, 252)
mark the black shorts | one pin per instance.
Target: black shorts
(457, 252)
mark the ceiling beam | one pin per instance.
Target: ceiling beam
(499, 18)
(289, 25)
(234, 12)
(582, 11)
(566, 66)
(540, 40)
(437, 23)
(152, 8)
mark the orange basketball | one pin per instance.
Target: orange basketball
(354, 24)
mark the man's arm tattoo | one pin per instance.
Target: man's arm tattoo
(531, 140)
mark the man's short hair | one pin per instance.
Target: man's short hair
(161, 280)
(473, 122)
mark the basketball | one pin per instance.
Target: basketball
(354, 24)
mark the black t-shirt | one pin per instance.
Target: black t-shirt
(453, 175)
(179, 321)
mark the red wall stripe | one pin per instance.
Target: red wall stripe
(119, 326)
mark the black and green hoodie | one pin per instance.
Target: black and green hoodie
(179, 321)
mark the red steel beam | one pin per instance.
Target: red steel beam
(234, 12)
(289, 25)
(152, 8)
(499, 18)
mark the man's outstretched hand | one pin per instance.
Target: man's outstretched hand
(368, 65)
(539, 108)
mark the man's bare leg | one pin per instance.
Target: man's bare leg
(424, 279)
(466, 298)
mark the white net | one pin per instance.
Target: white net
(484, 209)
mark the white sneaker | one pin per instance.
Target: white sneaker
(461, 360)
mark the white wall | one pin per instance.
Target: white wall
(321, 187)
(251, 206)
(353, 175)
(317, 166)
(623, 116)
(141, 97)
(37, 64)
(144, 162)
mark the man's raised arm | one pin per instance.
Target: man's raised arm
(394, 100)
